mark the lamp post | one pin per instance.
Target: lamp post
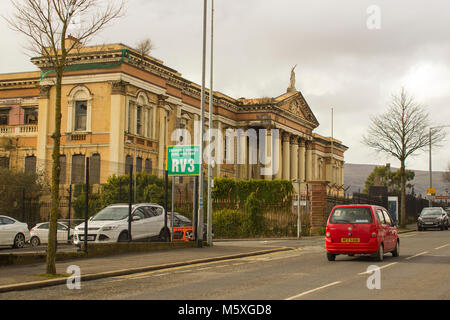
(129, 142)
(430, 166)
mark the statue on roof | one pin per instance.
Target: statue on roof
(292, 81)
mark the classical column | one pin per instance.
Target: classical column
(309, 159)
(278, 155)
(162, 136)
(118, 118)
(267, 154)
(294, 157)
(43, 122)
(286, 156)
(243, 156)
(302, 160)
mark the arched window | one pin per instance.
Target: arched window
(78, 169)
(128, 164)
(4, 162)
(94, 169)
(148, 165)
(138, 165)
(30, 164)
(79, 110)
(63, 164)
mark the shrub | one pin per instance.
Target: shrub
(227, 223)
(254, 223)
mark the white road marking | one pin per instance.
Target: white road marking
(445, 245)
(382, 267)
(417, 255)
(314, 290)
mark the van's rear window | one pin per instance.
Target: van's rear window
(357, 215)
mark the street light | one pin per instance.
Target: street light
(129, 142)
(429, 136)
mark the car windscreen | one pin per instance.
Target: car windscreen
(111, 213)
(357, 215)
(431, 212)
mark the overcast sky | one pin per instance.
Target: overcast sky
(341, 62)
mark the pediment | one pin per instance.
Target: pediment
(298, 106)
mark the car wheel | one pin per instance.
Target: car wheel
(396, 251)
(331, 256)
(19, 241)
(442, 227)
(419, 228)
(164, 235)
(35, 241)
(123, 237)
(380, 253)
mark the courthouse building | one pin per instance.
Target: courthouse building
(120, 107)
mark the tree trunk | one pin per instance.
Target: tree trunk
(56, 169)
(403, 195)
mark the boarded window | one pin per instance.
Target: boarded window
(94, 169)
(30, 164)
(78, 169)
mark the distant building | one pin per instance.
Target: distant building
(116, 101)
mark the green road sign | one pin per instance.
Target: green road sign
(183, 160)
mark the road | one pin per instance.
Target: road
(421, 272)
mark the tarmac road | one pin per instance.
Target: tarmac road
(421, 272)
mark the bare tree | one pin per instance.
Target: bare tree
(402, 132)
(47, 24)
(145, 46)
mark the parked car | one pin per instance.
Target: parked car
(13, 233)
(182, 221)
(433, 217)
(361, 229)
(39, 234)
(111, 224)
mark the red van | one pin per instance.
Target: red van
(361, 229)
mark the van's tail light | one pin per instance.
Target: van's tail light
(328, 233)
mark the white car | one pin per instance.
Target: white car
(13, 233)
(111, 224)
(39, 234)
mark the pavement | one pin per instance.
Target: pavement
(24, 277)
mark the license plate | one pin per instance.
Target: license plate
(429, 222)
(351, 240)
(89, 238)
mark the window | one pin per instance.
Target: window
(7, 221)
(4, 117)
(148, 165)
(63, 164)
(78, 169)
(30, 164)
(380, 216)
(139, 213)
(128, 164)
(94, 169)
(4, 162)
(387, 218)
(356, 215)
(138, 165)
(61, 227)
(139, 120)
(31, 116)
(80, 115)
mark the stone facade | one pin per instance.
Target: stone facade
(119, 106)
